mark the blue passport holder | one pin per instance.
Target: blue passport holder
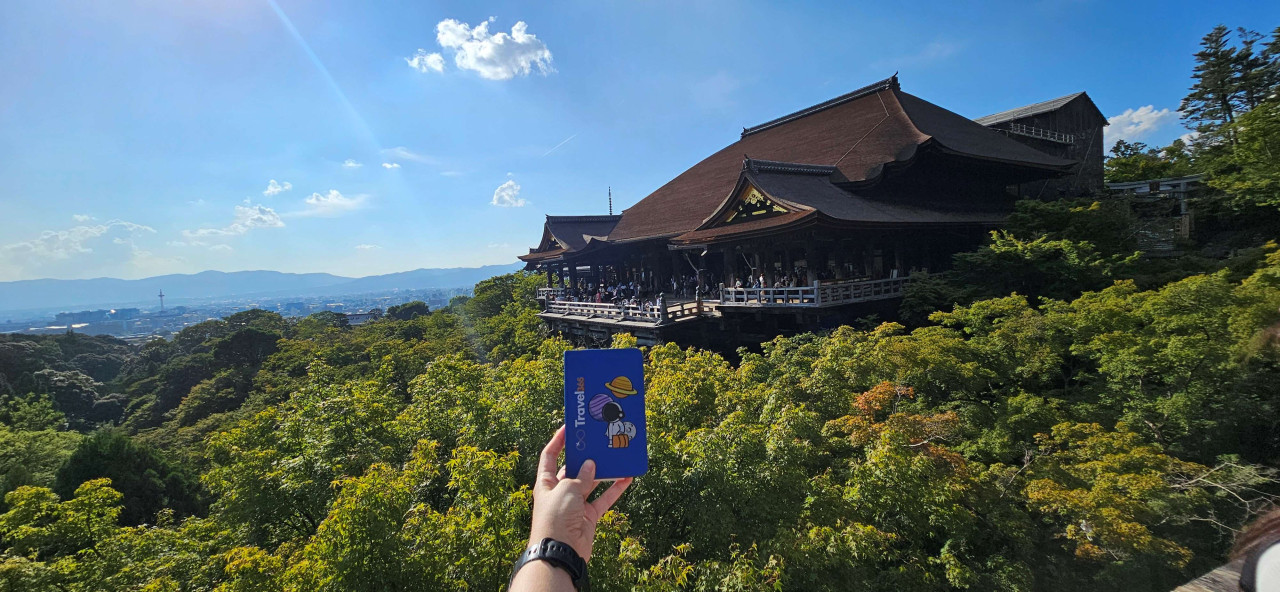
(604, 412)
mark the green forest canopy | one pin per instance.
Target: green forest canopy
(1056, 412)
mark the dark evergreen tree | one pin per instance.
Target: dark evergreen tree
(148, 482)
(408, 311)
(1212, 100)
(1251, 82)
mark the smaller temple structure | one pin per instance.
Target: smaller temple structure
(807, 221)
(1067, 127)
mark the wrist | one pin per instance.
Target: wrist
(540, 575)
(557, 555)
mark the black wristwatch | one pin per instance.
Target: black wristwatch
(558, 554)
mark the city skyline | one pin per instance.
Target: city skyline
(339, 139)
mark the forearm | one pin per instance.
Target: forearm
(540, 576)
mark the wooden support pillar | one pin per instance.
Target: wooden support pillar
(842, 256)
(729, 266)
(811, 261)
(898, 261)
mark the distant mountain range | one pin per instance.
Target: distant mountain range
(32, 295)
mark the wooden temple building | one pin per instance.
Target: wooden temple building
(807, 221)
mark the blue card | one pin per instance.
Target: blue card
(604, 412)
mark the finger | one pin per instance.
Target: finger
(610, 496)
(560, 475)
(547, 461)
(586, 480)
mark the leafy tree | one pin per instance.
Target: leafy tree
(322, 322)
(259, 319)
(248, 347)
(1134, 161)
(1249, 173)
(408, 311)
(147, 482)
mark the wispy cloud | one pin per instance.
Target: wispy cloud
(351, 163)
(81, 217)
(331, 204)
(367, 247)
(274, 188)
(390, 165)
(562, 143)
(507, 195)
(61, 245)
(1136, 124)
(244, 219)
(494, 56)
(426, 62)
(402, 153)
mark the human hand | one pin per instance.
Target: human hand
(560, 507)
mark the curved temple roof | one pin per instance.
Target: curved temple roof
(856, 134)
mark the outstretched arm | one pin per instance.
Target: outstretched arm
(561, 511)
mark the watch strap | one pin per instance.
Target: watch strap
(559, 554)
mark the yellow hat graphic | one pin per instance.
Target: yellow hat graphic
(621, 386)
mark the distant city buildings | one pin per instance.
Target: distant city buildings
(135, 324)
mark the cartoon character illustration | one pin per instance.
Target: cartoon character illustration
(621, 387)
(604, 408)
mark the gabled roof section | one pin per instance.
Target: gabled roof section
(573, 232)
(888, 83)
(562, 235)
(856, 134)
(811, 196)
(1034, 109)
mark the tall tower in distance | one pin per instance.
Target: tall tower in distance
(162, 300)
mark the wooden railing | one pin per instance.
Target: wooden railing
(1043, 134)
(685, 310)
(543, 293)
(605, 311)
(674, 312)
(819, 294)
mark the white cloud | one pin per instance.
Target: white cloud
(496, 56)
(81, 217)
(62, 245)
(351, 164)
(367, 247)
(221, 248)
(390, 165)
(274, 188)
(332, 203)
(246, 218)
(402, 153)
(1136, 124)
(426, 62)
(507, 195)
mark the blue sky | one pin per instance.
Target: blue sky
(142, 137)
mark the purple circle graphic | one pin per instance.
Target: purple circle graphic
(596, 406)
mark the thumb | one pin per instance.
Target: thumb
(587, 476)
